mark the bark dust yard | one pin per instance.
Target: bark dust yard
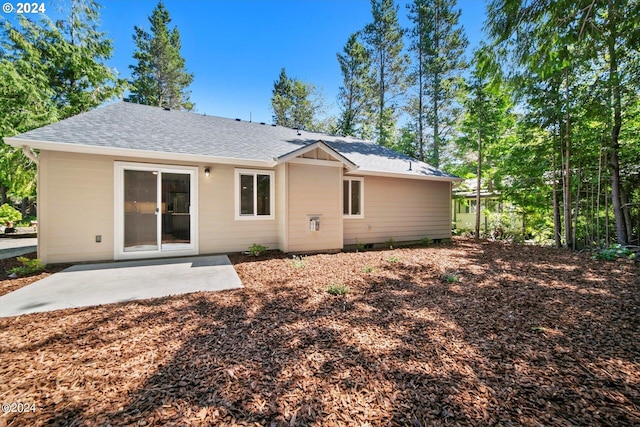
(459, 334)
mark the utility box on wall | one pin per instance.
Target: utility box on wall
(314, 223)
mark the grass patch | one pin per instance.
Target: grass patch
(338, 289)
(393, 259)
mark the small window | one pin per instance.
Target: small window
(352, 197)
(254, 194)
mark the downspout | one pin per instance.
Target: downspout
(26, 150)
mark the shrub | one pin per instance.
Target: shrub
(368, 269)
(257, 250)
(338, 289)
(450, 278)
(393, 259)
(28, 267)
(425, 241)
(9, 214)
(614, 252)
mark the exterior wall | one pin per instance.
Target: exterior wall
(219, 230)
(75, 203)
(402, 210)
(282, 190)
(314, 190)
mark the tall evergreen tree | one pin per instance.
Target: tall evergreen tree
(78, 50)
(295, 103)
(438, 44)
(383, 38)
(159, 77)
(354, 94)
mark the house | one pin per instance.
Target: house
(464, 205)
(128, 181)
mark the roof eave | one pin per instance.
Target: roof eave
(129, 152)
(366, 172)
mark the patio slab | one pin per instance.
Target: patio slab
(96, 284)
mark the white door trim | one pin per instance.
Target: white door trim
(118, 211)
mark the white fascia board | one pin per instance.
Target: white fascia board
(129, 152)
(365, 172)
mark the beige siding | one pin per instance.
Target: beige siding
(314, 190)
(75, 203)
(282, 189)
(402, 210)
(219, 230)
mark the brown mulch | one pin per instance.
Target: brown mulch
(528, 336)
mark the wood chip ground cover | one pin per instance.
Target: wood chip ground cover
(524, 336)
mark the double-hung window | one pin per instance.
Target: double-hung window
(254, 194)
(353, 198)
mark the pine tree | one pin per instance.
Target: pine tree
(78, 50)
(159, 77)
(438, 44)
(295, 103)
(354, 96)
(383, 38)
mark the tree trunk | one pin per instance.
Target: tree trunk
(478, 183)
(567, 168)
(556, 207)
(3, 194)
(614, 146)
(626, 211)
(576, 209)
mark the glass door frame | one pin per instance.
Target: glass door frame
(119, 212)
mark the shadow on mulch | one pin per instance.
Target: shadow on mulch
(527, 336)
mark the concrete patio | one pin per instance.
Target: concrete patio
(96, 284)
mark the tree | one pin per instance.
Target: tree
(438, 45)
(354, 94)
(50, 72)
(295, 103)
(383, 38)
(159, 77)
(77, 52)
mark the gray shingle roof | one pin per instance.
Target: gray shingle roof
(138, 127)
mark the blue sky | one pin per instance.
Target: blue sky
(236, 48)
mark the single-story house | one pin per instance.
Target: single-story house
(464, 205)
(128, 181)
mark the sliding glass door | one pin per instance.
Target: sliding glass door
(156, 210)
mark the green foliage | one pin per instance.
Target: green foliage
(257, 250)
(425, 241)
(159, 76)
(393, 259)
(9, 214)
(295, 104)
(337, 289)
(28, 267)
(450, 278)
(368, 269)
(383, 40)
(354, 96)
(437, 44)
(614, 252)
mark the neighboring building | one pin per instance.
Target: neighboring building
(129, 181)
(464, 206)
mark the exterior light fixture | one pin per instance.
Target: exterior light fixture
(207, 172)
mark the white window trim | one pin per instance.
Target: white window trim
(361, 215)
(272, 202)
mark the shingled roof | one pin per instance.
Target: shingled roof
(139, 129)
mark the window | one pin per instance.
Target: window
(352, 197)
(254, 194)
